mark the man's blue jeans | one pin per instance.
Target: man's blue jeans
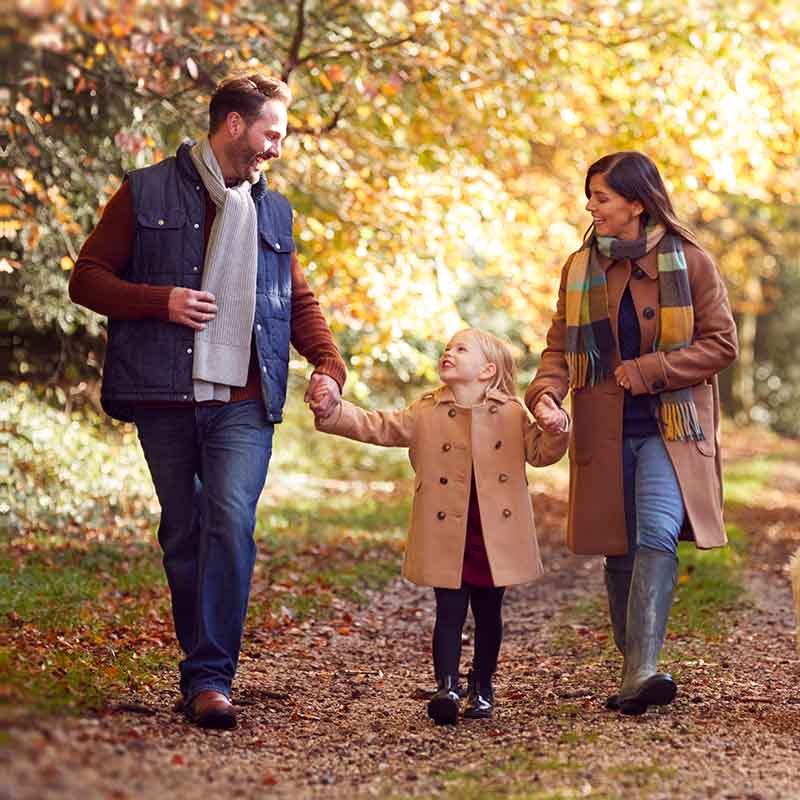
(209, 465)
(654, 509)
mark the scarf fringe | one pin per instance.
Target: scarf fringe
(679, 421)
(586, 367)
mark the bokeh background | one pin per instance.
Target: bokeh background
(435, 161)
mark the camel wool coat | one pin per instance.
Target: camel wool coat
(596, 523)
(446, 442)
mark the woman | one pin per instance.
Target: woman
(641, 330)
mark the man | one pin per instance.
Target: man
(193, 263)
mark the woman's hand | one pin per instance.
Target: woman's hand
(621, 377)
(550, 417)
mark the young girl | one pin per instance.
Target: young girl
(472, 531)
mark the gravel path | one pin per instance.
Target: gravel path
(337, 710)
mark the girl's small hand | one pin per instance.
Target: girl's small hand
(550, 417)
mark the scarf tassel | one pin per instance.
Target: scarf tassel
(585, 366)
(679, 421)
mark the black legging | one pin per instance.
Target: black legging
(451, 611)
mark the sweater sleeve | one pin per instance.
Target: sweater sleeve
(311, 335)
(95, 281)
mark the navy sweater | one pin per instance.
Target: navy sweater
(638, 418)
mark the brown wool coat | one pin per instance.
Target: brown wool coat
(446, 441)
(596, 523)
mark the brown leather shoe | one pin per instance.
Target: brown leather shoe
(211, 709)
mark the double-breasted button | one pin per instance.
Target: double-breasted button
(440, 515)
(498, 444)
(649, 313)
(451, 412)
(659, 385)
(492, 409)
(443, 480)
(638, 273)
(446, 447)
(502, 477)
(506, 512)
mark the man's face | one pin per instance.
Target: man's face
(256, 143)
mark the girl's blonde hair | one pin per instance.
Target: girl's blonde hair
(498, 352)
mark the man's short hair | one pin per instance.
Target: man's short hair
(246, 96)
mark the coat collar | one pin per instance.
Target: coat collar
(444, 394)
(648, 263)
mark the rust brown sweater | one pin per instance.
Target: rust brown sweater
(95, 283)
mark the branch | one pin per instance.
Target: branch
(322, 129)
(358, 48)
(297, 40)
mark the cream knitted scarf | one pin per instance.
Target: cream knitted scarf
(222, 350)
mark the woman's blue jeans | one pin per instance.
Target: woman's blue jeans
(209, 465)
(654, 509)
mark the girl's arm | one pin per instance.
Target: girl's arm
(387, 428)
(542, 448)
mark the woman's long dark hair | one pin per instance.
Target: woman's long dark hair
(634, 176)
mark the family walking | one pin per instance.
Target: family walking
(193, 263)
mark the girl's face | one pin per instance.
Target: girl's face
(463, 361)
(613, 215)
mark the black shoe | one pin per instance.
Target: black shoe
(480, 698)
(613, 703)
(443, 706)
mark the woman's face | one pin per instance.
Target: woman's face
(613, 215)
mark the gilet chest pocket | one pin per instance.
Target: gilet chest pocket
(161, 239)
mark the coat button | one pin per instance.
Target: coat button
(451, 412)
(638, 273)
(502, 477)
(440, 515)
(648, 313)
(659, 385)
(498, 444)
(492, 409)
(443, 480)
(446, 447)
(506, 512)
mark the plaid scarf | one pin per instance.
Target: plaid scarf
(590, 347)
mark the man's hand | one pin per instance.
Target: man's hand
(191, 308)
(549, 416)
(323, 395)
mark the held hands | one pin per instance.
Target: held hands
(550, 417)
(191, 308)
(323, 395)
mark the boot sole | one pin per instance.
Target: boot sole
(478, 714)
(660, 690)
(443, 711)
